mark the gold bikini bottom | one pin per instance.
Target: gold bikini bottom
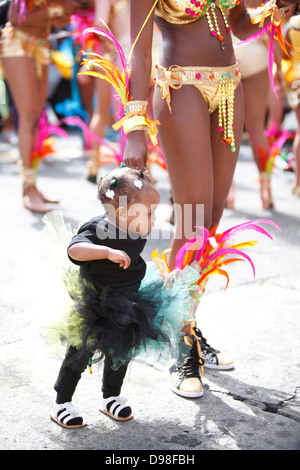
(17, 43)
(216, 85)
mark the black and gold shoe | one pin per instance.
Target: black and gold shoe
(212, 358)
(186, 372)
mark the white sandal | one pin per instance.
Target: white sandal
(115, 408)
(67, 416)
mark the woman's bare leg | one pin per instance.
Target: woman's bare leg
(185, 140)
(256, 103)
(29, 95)
(224, 160)
(100, 119)
(86, 90)
(200, 166)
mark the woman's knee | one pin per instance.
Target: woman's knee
(29, 121)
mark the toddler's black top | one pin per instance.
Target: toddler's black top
(105, 272)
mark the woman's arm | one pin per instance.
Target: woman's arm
(139, 78)
(89, 252)
(240, 18)
(102, 10)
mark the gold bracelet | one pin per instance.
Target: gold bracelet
(138, 128)
(133, 122)
(135, 105)
(55, 12)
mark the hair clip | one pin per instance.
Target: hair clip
(110, 193)
(122, 165)
(113, 181)
(138, 183)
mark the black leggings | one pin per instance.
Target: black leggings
(70, 373)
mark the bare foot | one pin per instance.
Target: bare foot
(48, 198)
(265, 191)
(33, 200)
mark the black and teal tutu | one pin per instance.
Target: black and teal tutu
(122, 324)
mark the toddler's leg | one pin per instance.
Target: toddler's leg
(64, 413)
(112, 403)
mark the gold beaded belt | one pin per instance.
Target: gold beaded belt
(216, 84)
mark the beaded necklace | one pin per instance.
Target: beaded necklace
(187, 11)
(213, 23)
(197, 9)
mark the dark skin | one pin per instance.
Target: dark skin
(200, 166)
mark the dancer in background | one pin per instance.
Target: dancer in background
(253, 63)
(25, 56)
(291, 73)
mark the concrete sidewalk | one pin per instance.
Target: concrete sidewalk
(253, 406)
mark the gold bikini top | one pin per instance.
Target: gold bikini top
(187, 11)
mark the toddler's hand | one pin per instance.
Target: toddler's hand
(119, 256)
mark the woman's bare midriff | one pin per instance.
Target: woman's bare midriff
(192, 44)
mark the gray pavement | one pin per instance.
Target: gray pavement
(255, 406)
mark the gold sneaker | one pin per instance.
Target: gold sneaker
(212, 358)
(186, 372)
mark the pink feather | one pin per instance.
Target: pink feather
(227, 251)
(185, 249)
(246, 226)
(108, 34)
(254, 36)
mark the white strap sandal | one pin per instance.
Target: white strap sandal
(115, 408)
(67, 416)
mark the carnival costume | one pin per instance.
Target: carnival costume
(17, 43)
(291, 70)
(216, 84)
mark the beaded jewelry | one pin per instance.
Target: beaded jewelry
(135, 105)
(226, 112)
(214, 26)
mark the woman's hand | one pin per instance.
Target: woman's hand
(120, 257)
(136, 152)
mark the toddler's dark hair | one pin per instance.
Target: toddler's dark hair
(123, 182)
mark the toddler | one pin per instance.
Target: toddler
(109, 315)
